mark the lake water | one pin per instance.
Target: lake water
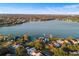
(55, 27)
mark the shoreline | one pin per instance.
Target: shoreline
(15, 19)
(8, 25)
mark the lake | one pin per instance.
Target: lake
(54, 27)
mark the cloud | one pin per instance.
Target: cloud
(72, 6)
(66, 9)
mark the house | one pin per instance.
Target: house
(60, 41)
(33, 52)
(17, 37)
(25, 37)
(16, 46)
(50, 45)
(5, 44)
(45, 40)
(12, 50)
(30, 50)
(78, 41)
(57, 45)
(47, 52)
(42, 39)
(36, 53)
(65, 41)
(6, 37)
(1, 37)
(73, 41)
(74, 52)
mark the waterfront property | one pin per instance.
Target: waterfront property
(39, 46)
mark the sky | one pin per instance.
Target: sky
(39, 8)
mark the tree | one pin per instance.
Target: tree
(38, 45)
(20, 51)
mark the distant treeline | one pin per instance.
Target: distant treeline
(12, 19)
